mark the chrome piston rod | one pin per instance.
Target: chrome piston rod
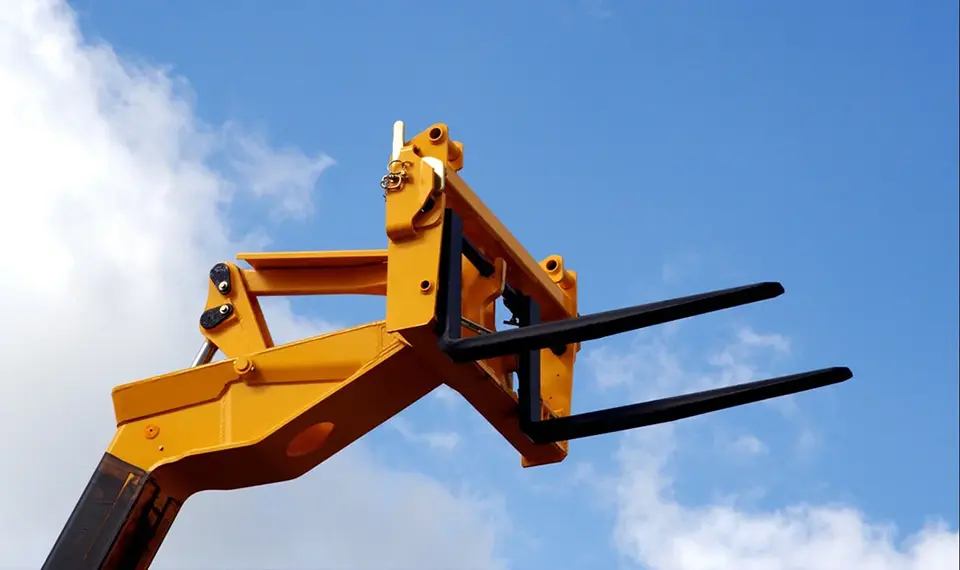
(205, 355)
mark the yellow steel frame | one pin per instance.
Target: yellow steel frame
(271, 413)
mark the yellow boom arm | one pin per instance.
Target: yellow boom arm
(270, 413)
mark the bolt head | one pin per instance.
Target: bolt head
(242, 366)
(224, 309)
(222, 286)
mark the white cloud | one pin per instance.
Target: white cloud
(350, 513)
(658, 532)
(111, 213)
(750, 338)
(748, 445)
(806, 441)
(438, 440)
(441, 440)
(447, 396)
(738, 361)
(285, 175)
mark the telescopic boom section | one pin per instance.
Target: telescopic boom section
(267, 413)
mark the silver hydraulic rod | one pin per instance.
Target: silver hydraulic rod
(206, 354)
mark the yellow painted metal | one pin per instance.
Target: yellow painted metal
(316, 273)
(556, 371)
(238, 422)
(261, 393)
(245, 330)
(270, 413)
(314, 259)
(489, 234)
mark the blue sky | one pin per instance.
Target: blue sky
(662, 149)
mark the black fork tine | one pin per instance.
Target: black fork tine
(680, 407)
(532, 336)
(607, 323)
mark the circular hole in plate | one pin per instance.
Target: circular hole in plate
(309, 440)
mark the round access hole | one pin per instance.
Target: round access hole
(309, 440)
